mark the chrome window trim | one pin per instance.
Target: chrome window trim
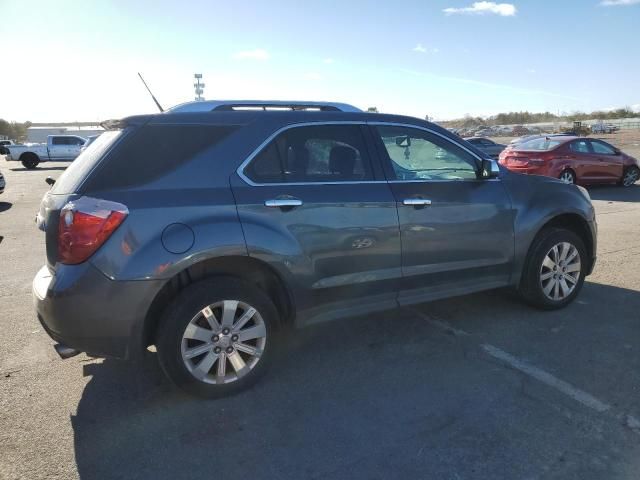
(264, 144)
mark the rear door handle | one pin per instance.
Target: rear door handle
(416, 202)
(283, 203)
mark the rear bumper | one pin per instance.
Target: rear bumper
(82, 309)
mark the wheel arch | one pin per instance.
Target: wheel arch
(245, 268)
(572, 222)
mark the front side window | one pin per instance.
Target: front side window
(602, 148)
(323, 153)
(580, 146)
(58, 141)
(415, 154)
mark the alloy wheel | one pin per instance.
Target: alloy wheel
(567, 177)
(631, 176)
(223, 342)
(560, 271)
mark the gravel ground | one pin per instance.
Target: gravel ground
(473, 387)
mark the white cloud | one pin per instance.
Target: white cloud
(419, 48)
(636, 107)
(328, 61)
(616, 3)
(482, 8)
(257, 54)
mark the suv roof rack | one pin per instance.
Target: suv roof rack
(272, 105)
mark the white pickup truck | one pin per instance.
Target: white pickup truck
(58, 147)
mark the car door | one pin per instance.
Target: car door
(609, 160)
(582, 160)
(456, 229)
(58, 148)
(314, 206)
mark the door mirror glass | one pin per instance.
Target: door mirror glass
(404, 141)
(489, 169)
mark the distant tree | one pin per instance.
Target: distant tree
(372, 110)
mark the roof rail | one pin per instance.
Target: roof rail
(272, 105)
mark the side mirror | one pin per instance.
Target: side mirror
(50, 181)
(403, 141)
(489, 169)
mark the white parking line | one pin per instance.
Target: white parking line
(548, 379)
(575, 393)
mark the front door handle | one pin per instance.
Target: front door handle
(416, 202)
(283, 203)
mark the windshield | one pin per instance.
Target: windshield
(70, 180)
(539, 144)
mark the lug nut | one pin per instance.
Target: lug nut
(215, 338)
(217, 350)
(234, 338)
(225, 331)
(229, 349)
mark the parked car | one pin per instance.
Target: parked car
(572, 160)
(58, 147)
(484, 132)
(490, 147)
(3, 183)
(90, 140)
(520, 131)
(604, 128)
(263, 220)
(3, 145)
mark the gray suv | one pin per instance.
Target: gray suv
(206, 229)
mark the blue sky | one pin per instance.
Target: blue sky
(70, 60)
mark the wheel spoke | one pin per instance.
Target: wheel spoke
(238, 364)
(572, 255)
(574, 267)
(211, 319)
(564, 287)
(196, 351)
(229, 312)
(222, 368)
(195, 332)
(258, 331)
(556, 290)
(546, 276)
(246, 316)
(571, 278)
(243, 347)
(202, 369)
(555, 254)
(564, 249)
(548, 262)
(549, 286)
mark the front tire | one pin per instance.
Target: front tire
(630, 176)
(216, 338)
(554, 270)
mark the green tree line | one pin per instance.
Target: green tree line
(14, 130)
(514, 118)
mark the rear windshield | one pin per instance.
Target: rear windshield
(152, 152)
(70, 180)
(540, 144)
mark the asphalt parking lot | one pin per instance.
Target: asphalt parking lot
(473, 387)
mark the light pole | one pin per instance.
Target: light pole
(199, 87)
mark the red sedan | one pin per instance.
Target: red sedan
(579, 160)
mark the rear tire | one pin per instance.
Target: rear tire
(552, 281)
(568, 176)
(630, 176)
(30, 161)
(195, 335)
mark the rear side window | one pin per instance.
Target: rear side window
(58, 141)
(323, 153)
(580, 146)
(540, 144)
(153, 151)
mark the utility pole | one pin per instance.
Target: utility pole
(199, 87)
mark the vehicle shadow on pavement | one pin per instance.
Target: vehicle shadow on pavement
(386, 396)
(617, 194)
(4, 206)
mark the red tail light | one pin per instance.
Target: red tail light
(85, 224)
